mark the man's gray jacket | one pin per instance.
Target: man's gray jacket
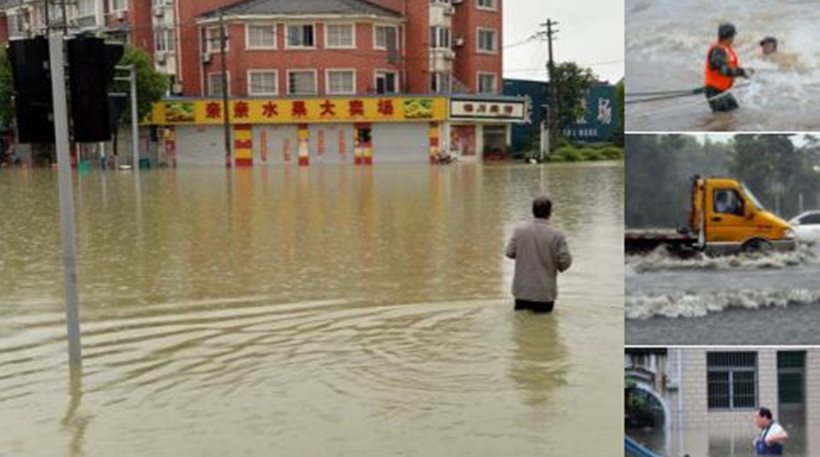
(540, 252)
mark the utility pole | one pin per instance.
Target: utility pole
(552, 112)
(223, 39)
(65, 17)
(45, 16)
(57, 66)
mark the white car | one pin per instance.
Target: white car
(807, 226)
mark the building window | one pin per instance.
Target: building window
(386, 37)
(487, 41)
(17, 24)
(440, 82)
(301, 36)
(213, 37)
(486, 4)
(341, 82)
(440, 37)
(164, 40)
(261, 36)
(262, 82)
(301, 82)
(340, 36)
(117, 5)
(731, 380)
(215, 84)
(85, 8)
(387, 82)
(487, 83)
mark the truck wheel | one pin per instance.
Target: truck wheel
(757, 245)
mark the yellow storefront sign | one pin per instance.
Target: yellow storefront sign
(296, 111)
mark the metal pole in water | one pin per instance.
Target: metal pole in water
(135, 141)
(57, 64)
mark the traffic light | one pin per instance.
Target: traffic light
(33, 103)
(91, 63)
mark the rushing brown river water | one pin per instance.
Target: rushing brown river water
(332, 311)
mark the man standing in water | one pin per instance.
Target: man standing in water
(540, 253)
(722, 67)
(772, 436)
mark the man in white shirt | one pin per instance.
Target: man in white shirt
(772, 436)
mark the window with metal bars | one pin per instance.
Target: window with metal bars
(731, 380)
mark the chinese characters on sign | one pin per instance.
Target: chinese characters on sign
(483, 109)
(268, 111)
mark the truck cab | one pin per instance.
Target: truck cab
(727, 217)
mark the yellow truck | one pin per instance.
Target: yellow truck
(725, 218)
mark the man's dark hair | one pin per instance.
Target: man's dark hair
(769, 39)
(765, 412)
(542, 207)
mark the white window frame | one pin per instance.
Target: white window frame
(93, 11)
(376, 80)
(288, 46)
(478, 40)
(263, 70)
(169, 38)
(111, 8)
(340, 70)
(352, 26)
(438, 34)
(493, 7)
(478, 82)
(208, 83)
(251, 47)
(375, 34)
(302, 70)
(212, 43)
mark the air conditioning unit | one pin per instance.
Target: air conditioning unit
(176, 88)
(449, 10)
(459, 42)
(449, 54)
(159, 10)
(161, 56)
(206, 57)
(119, 15)
(456, 2)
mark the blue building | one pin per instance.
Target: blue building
(598, 125)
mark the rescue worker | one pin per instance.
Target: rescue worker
(772, 436)
(722, 67)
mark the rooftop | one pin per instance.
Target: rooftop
(304, 8)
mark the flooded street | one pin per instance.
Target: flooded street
(724, 300)
(666, 45)
(332, 311)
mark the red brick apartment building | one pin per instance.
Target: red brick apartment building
(290, 49)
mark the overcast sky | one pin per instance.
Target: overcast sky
(591, 32)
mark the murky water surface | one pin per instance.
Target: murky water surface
(330, 311)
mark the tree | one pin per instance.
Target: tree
(571, 82)
(151, 85)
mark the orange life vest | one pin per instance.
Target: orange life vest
(713, 77)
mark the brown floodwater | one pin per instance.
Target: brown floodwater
(330, 311)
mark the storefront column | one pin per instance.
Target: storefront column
(304, 136)
(367, 143)
(243, 145)
(435, 141)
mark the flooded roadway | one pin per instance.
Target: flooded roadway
(331, 311)
(773, 299)
(667, 41)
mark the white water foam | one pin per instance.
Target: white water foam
(691, 304)
(662, 260)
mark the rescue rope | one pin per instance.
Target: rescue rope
(681, 94)
(690, 104)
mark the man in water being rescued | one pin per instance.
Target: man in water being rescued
(540, 253)
(722, 67)
(772, 436)
(771, 53)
